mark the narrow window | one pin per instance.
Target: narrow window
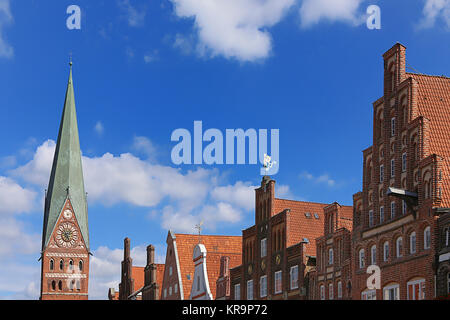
(61, 264)
(373, 255)
(412, 243)
(427, 238)
(370, 218)
(278, 286)
(52, 264)
(80, 265)
(263, 247)
(399, 247)
(263, 286)
(53, 285)
(330, 256)
(70, 265)
(339, 286)
(392, 168)
(386, 251)
(330, 291)
(381, 173)
(60, 285)
(381, 214)
(237, 291)
(294, 277)
(322, 292)
(392, 210)
(361, 258)
(403, 207)
(250, 290)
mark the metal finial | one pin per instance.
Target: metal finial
(199, 228)
(70, 59)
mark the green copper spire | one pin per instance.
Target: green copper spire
(66, 179)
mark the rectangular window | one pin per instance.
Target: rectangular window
(322, 292)
(392, 210)
(392, 168)
(391, 293)
(250, 290)
(263, 286)
(277, 288)
(404, 162)
(330, 291)
(381, 173)
(339, 285)
(369, 295)
(237, 291)
(416, 290)
(370, 218)
(330, 256)
(263, 247)
(294, 277)
(381, 214)
(393, 127)
(403, 207)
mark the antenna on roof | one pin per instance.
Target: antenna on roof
(199, 228)
(410, 67)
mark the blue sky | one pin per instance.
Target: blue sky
(145, 68)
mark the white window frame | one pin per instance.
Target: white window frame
(388, 289)
(361, 258)
(250, 289)
(263, 286)
(322, 292)
(294, 277)
(330, 291)
(427, 238)
(421, 284)
(381, 214)
(412, 244)
(237, 291)
(369, 294)
(399, 252)
(263, 247)
(330, 256)
(278, 282)
(373, 254)
(386, 251)
(339, 289)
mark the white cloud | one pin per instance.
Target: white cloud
(151, 56)
(134, 16)
(324, 178)
(6, 18)
(314, 11)
(233, 28)
(105, 268)
(14, 198)
(434, 10)
(240, 194)
(16, 240)
(144, 145)
(99, 128)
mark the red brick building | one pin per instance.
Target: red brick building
(138, 283)
(275, 248)
(65, 237)
(179, 266)
(331, 278)
(405, 182)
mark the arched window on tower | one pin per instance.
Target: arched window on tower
(52, 264)
(80, 265)
(70, 265)
(61, 264)
(53, 285)
(60, 285)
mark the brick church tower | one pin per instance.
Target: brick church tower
(65, 237)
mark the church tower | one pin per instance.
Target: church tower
(65, 236)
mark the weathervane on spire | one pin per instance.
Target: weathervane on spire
(70, 58)
(199, 228)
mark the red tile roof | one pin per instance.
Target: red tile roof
(216, 247)
(139, 277)
(433, 102)
(302, 226)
